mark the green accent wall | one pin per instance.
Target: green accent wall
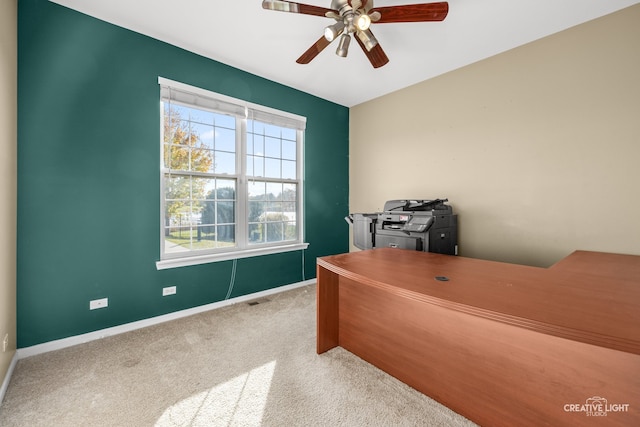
(89, 168)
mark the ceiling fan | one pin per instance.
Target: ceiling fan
(355, 17)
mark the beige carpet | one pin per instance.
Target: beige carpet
(243, 365)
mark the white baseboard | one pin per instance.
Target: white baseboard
(103, 333)
(7, 377)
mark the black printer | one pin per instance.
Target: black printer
(420, 225)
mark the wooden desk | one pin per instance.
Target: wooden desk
(501, 344)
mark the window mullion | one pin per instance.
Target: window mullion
(242, 195)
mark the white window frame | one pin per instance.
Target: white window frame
(207, 100)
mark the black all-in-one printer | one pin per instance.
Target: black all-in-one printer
(421, 225)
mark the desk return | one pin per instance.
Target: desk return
(501, 344)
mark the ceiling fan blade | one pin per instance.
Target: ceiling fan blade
(376, 55)
(413, 12)
(313, 51)
(293, 7)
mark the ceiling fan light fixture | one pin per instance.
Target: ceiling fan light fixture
(363, 22)
(333, 31)
(343, 46)
(368, 39)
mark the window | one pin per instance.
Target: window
(231, 177)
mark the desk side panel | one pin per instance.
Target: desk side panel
(493, 373)
(327, 309)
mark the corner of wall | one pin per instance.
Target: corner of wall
(8, 186)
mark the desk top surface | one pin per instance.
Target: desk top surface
(597, 305)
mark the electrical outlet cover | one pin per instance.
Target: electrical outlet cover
(98, 303)
(169, 290)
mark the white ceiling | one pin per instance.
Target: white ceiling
(267, 43)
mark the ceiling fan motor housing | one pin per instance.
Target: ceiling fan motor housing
(349, 11)
(345, 7)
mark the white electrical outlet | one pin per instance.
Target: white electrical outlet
(98, 303)
(5, 343)
(169, 290)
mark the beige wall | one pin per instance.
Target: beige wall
(537, 149)
(8, 178)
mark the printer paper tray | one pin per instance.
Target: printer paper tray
(398, 241)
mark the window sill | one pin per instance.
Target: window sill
(247, 253)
